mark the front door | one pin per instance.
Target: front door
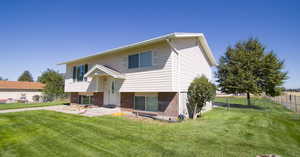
(111, 93)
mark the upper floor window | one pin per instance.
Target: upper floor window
(143, 59)
(79, 71)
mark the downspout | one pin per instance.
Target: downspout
(178, 71)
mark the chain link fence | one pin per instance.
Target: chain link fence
(291, 102)
(264, 103)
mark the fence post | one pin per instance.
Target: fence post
(290, 102)
(295, 97)
(227, 103)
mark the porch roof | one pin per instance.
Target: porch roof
(105, 71)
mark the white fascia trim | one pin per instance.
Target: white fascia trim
(105, 70)
(207, 50)
(154, 40)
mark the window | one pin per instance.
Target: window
(113, 87)
(140, 60)
(139, 102)
(151, 103)
(79, 71)
(84, 99)
(146, 103)
(133, 61)
(145, 59)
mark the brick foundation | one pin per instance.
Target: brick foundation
(98, 98)
(127, 100)
(168, 103)
(74, 98)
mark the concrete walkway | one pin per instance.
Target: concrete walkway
(90, 112)
(26, 109)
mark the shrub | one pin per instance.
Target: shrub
(200, 91)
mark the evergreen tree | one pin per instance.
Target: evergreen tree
(248, 68)
(3, 79)
(26, 76)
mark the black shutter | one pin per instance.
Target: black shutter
(86, 68)
(74, 73)
(78, 73)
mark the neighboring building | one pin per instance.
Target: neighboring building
(151, 76)
(13, 91)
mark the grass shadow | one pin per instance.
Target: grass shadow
(240, 106)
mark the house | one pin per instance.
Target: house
(150, 76)
(13, 91)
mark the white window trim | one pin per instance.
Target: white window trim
(139, 64)
(84, 79)
(145, 95)
(90, 99)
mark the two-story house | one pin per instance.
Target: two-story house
(150, 76)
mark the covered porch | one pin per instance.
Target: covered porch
(104, 87)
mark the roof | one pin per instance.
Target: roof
(105, 69)
(21, 85)
(200, 36)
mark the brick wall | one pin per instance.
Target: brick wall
(168, 103)
(74, 98)
(127, 100)
(98, 98)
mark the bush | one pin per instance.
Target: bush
(200, 91)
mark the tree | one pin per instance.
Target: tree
(200, 91)
(26, 76)
(248, 68)
(3, 79)
(54, 83)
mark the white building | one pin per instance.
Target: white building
(12, 91)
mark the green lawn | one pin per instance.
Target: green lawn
(263, 103)
(236, 132)
(23, 105)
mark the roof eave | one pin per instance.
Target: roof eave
(154, 40)
(207, 50)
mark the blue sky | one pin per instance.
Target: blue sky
(36, 35)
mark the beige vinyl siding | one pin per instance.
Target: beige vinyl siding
(193, 62)
(156, 78)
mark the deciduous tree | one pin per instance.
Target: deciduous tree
(54, 83)
(199, 93)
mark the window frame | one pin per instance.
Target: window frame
(135, 102)
(139, 60)
(80, 71)
(90, 99)
(151, 61)
(130, 67)
(145, 103)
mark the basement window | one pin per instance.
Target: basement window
(146, 103)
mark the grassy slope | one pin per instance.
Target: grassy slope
(22, 105)
(237, 132)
